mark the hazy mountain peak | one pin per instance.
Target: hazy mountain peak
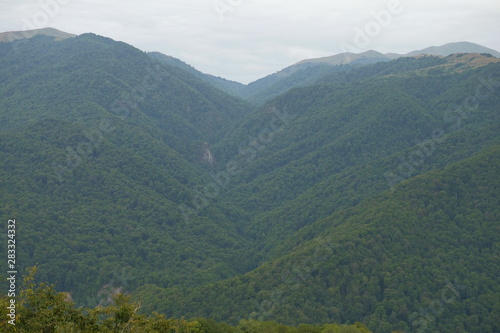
(374, 56)
(16, 35)
(457, 47)
(344, 58)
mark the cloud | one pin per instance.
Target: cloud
(244, 40)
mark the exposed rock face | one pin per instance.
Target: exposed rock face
(208, 157)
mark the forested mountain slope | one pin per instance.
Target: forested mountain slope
(99, 145)
(320, 150)
(421, 257)
(352, 137)
(230, 87)
(340, 66)
(83, 75)
(359, 196)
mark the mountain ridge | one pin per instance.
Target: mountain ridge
(10, 36)
(337, 59)
(302, 73)
(443, 50)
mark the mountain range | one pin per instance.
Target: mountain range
(332, 191)
(308, 71)
(301, 74)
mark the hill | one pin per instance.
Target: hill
(372, 56)
(99, 146)
(310, 71)
(349, 57)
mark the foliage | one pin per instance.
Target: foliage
(42, 309)
(357, 198)
(422, 255)
(102, 187)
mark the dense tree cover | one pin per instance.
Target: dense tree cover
(421, 257)
(336, 202)
(328, 137)
(310, 73)
(95, 161)
(113, 220)
(295, 76)
(40, 308)
(89, 77)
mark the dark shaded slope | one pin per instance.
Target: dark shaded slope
(313, 133)
(92, 72)
(455, 132)
(421, 256)
(99, 145)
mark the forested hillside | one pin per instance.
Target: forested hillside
(99, 145)
(364, 193)
(423, 256)
(330, 149)
(41, 308)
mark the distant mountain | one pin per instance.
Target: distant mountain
(261, 90)
(310, 71)
(421, 65)
(306, 73)
(372, 56)
(450, 48)
(349, 58)
(16, 35)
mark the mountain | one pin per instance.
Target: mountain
(327, 179)
(378, 262)
(311, 71)
(17, 35)
(304, 73)
(346, 193)
(423, 65)
(100, 145)
(372, 56)
(326, 134)
(450, 48)
(348, 58)
(111, 83)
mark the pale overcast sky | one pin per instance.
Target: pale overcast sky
(244, 40)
